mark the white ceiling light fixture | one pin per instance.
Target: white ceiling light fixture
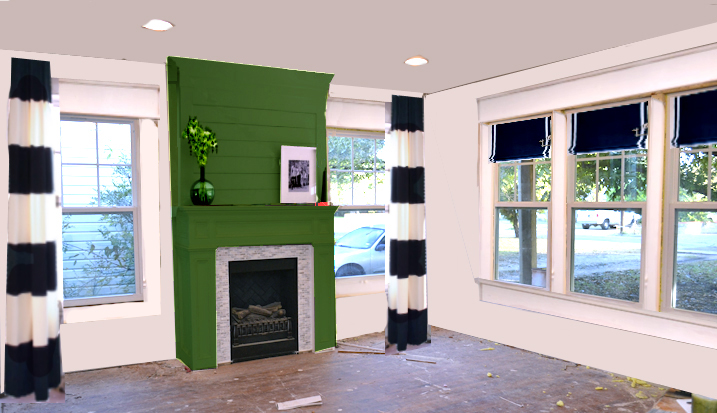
(416, 61)
(158, 25)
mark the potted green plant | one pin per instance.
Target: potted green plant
(201, 140)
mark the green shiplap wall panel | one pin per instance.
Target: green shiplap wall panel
(253, 110)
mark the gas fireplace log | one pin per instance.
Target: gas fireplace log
(272, 307)
(240, 313)
(278, 314)
(260, 311)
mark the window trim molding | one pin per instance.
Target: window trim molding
(140, 294)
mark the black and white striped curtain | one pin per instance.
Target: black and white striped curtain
(32, 348)
(407, 309)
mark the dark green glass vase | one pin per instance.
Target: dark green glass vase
(202, 192)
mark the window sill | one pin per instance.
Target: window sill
(114, 311)
(360, 285)
(676, 325)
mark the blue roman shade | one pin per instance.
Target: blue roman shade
(525, 139)
(620, 128)
(695, 119)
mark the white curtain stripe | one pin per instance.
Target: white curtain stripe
(25, 227)
(409, 293)
(28, 121)
(408, 221)
(409, 148)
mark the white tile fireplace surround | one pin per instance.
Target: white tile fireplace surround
(305, 272)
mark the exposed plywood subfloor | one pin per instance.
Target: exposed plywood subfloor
(458, 382)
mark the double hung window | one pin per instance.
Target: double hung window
(359, 184)
(606, 197)
(99, 211)
(691, 210)
(522, 151)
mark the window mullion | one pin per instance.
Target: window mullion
(561, 181)
(97, 153)
(652, 221)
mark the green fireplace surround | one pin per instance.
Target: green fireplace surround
(254, 110)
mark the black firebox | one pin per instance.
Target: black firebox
(264, 310)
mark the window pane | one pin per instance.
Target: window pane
(360, 244)
(364, 188)
(507, 183)
(607, 248)
(79, 142)
(79, 186)
(115, 143)
(98, 254)
(587, 155)
(693, 176)
(526, 182)
(543, 183)
(522, 250)
(363, 154)
(116, 185)
(381, 154)
(605, 154)
(340, 153)
(610, 177)
(695, 280)
(636, 178)
(585, 182)
(382, 190)
(341, 188)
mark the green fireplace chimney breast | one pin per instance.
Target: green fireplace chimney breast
(255, 110)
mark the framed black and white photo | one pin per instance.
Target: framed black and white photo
(298, 175)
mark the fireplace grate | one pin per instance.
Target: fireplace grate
(262, 328)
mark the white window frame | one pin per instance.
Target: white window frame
(573, 204)
(352, 286)
(135, 209)
(497, 203)
(671, 205)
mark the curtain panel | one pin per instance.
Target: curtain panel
(32, 348)
(619, 128)
(406, 291)
(695, 119)
(526, 139)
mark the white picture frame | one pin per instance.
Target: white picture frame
(298, 188)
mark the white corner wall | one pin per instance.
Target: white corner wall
(452, 232)
(127, 333)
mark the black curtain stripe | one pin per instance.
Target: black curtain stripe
(526, 139)
(407, 258)
(610, 129)
(30, 170)
(406, 113)
(31, 268)
(411, 328)
(408, 185)
(30, 80)
(33, 369)
(695, 119)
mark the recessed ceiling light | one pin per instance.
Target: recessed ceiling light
(158, 25)
(416, 61)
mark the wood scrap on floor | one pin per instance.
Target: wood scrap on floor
(380, 350)
(295, 404)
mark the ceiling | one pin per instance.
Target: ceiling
(364, 43)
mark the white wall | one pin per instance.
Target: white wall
(453, 243)
(128, 333)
